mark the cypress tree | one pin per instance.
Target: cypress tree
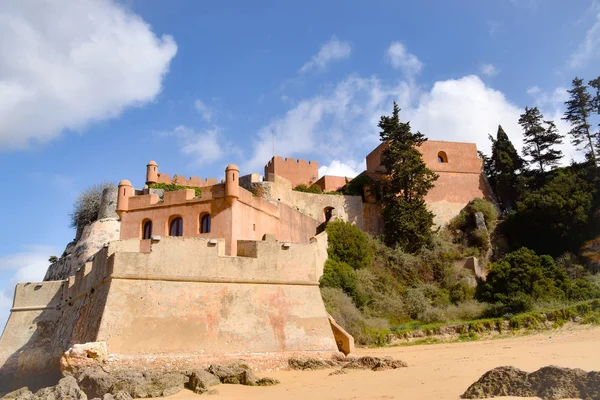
(504, 166)
(538, 141)
(595, 83)
(579, 108)
(407, 221)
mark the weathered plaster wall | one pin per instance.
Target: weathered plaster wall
(181, 298)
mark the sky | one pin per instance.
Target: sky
(90, 91)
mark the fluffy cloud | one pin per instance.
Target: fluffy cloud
(203, 146)
(489, 70)
(332, 50)
(589, 49)
(205, 111)
(65, 65)
(27, 266)
(400, 58)
(338, 168)
(338, 124)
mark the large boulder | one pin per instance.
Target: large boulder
(501, 381)
(548, 383)
(200, 381)
(20, 394)
(95, 382)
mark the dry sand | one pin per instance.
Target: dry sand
(441, 371)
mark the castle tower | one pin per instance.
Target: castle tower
(151, 173)
(125, 192)
(232, 183)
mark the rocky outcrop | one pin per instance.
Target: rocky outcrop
(66, 389)
(346, 363)
(549, 383)
(93, 238)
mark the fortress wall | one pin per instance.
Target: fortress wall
(296, 171)
(330, 183)
(453, 191)
(209, 319)
(195, 259)
(194, 181)
(347, 208)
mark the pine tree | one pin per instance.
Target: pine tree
(595, 83)
(579, 108)
(538, 141)
(408, 222)
(504, 164)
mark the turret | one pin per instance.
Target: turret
(151, 173)
(232, 183)
(125, 192)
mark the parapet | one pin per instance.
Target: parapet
(153, 176)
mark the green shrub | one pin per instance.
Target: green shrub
(315, 189)
(416, 303)
(173, 186)
(366, 331)
(465, 220)
(338, 274)
(348, 244)
(87, 205)
(382, 294)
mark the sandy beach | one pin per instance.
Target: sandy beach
(441, 371)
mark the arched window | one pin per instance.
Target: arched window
(442, 157)
(328, 213)
(147, 230)
(205, 223)
(176, 227)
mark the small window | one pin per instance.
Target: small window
(205, 223)
(176, 227)
(442, 157)
(147, 230)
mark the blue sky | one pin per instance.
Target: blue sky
(91, 91)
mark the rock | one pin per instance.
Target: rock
(375, 363)
(553, 383)
(20, 394)
(200, 381)
(549, 383)
(117, 396)
(65, 389)
(308, 364)
(339, 372)
(501, 381)
(149, 384)
(267, 382)
(82, 356)
(95, 382)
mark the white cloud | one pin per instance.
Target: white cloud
(204, 146)
(205, 111)
(465, 110)
(333, 125)
(533, 90)
(64, 66)
(400, 58)
(489, 70)
(348, 168)
(333, 50)
(589, 49)
(27, 266)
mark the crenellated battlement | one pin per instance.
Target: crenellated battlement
(153, 176)
(297, 171)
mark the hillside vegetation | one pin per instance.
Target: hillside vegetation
(540, 244)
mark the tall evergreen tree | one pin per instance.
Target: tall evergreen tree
(595, 83)
(538, 141)
(504, 164)
(579, 108)
(408, 222)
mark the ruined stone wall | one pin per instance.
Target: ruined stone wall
(181, 303)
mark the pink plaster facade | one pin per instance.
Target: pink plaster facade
(235, 214)
(330, 183)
